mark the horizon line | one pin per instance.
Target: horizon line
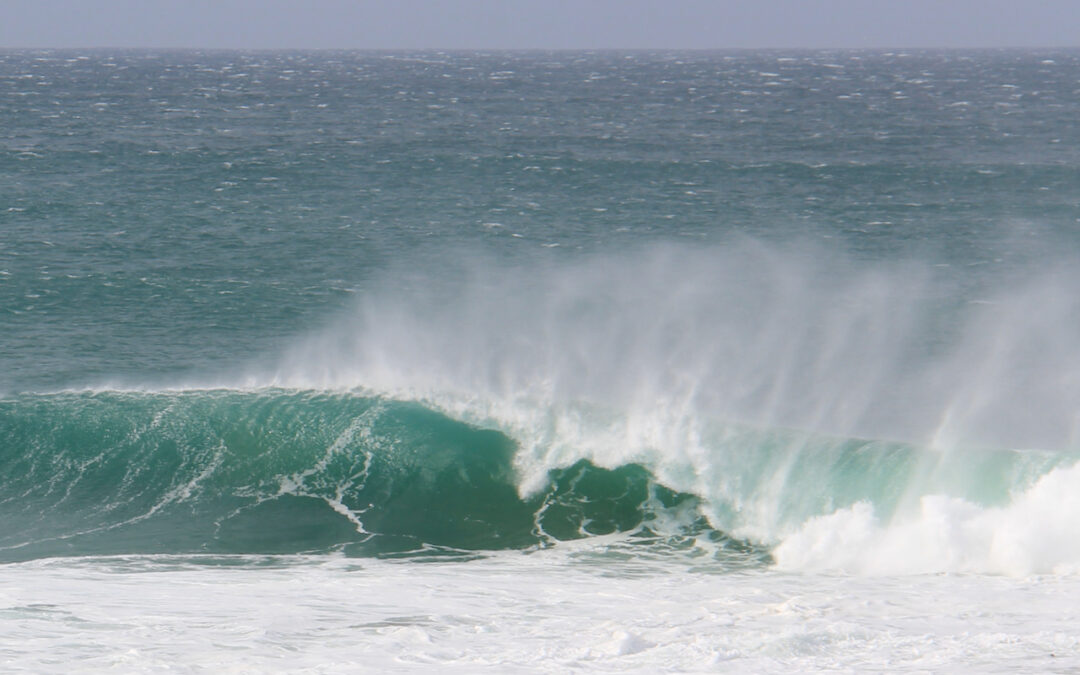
(922, 48)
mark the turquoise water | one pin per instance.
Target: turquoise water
(286, 473)
(410, 303)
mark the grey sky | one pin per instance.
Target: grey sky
(556, 24)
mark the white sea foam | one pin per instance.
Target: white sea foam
(1034, 534)
(542, 612)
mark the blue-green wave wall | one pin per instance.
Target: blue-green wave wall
(286, 472)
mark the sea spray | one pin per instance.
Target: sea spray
(744, 374)
(772, 335)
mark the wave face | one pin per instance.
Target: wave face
(280, 472)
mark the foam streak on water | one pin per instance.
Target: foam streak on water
(538, 613)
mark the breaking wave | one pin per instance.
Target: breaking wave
(754, 402)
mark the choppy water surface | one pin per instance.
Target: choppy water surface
(748, 360)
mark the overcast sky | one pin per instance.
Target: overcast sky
(545, 24)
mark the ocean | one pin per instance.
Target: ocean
(747, 361)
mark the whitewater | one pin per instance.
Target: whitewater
(539, 362)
